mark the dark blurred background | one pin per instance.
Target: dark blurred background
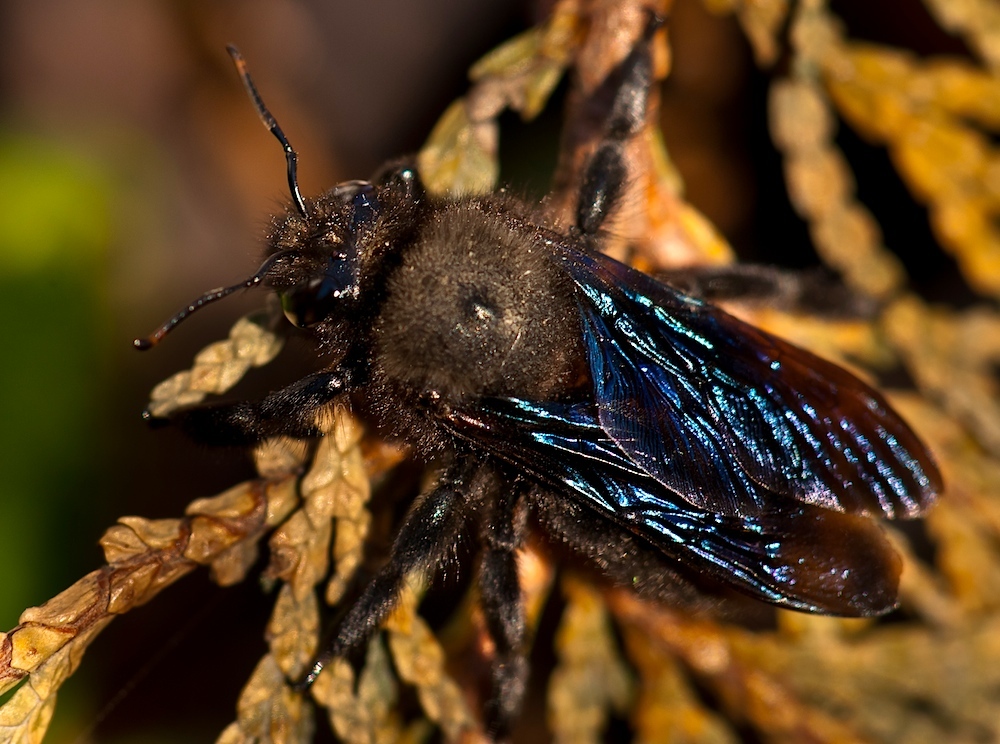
(134, 175)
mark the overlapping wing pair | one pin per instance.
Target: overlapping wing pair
(731, 450)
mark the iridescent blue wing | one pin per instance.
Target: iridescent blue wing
(799, 556)
(727, 415)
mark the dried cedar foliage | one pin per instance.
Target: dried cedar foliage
(929, 677)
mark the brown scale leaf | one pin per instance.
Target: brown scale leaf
(520, 74)
(293, 632)
(953, 357)
(948, 673)
(275, 458)
(420, 661)
(761, 21)
(668, 710)
(822, 189)
(747, 694)
(977, 21)
(965, 526)
(299, 549)
(219, 366)
(460, 155)
(926, 113)
(25, 717)
(269, 711)
(335, 487)
(144, 557)
(536, 575)
(678, 234)
(368, 715)
(349, 503)
(590, 680)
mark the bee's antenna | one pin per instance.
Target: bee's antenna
(142, 344)
(212, 295)
(271, 125)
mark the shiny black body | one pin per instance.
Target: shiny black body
(664, 441)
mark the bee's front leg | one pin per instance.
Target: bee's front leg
(290, 412)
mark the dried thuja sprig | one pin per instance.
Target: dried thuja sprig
(144, 556)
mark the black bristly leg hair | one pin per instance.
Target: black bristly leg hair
(606, 173)
(290, 411)
(501, 532)
(430, 530)
(814, 292)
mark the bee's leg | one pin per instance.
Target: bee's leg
(290, 411)
(621, 557)
(503, 522)
(606, 172)
(429, 533)
(808, 291)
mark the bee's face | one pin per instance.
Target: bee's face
(320, 269)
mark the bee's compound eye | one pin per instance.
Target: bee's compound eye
(299, 308)
(311, 303)
(306, 306)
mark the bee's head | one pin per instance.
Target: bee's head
(320, 249)
(321, 264)
(316, 261)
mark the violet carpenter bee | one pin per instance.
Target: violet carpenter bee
(658, 437)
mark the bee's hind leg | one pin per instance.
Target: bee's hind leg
(606, 172)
